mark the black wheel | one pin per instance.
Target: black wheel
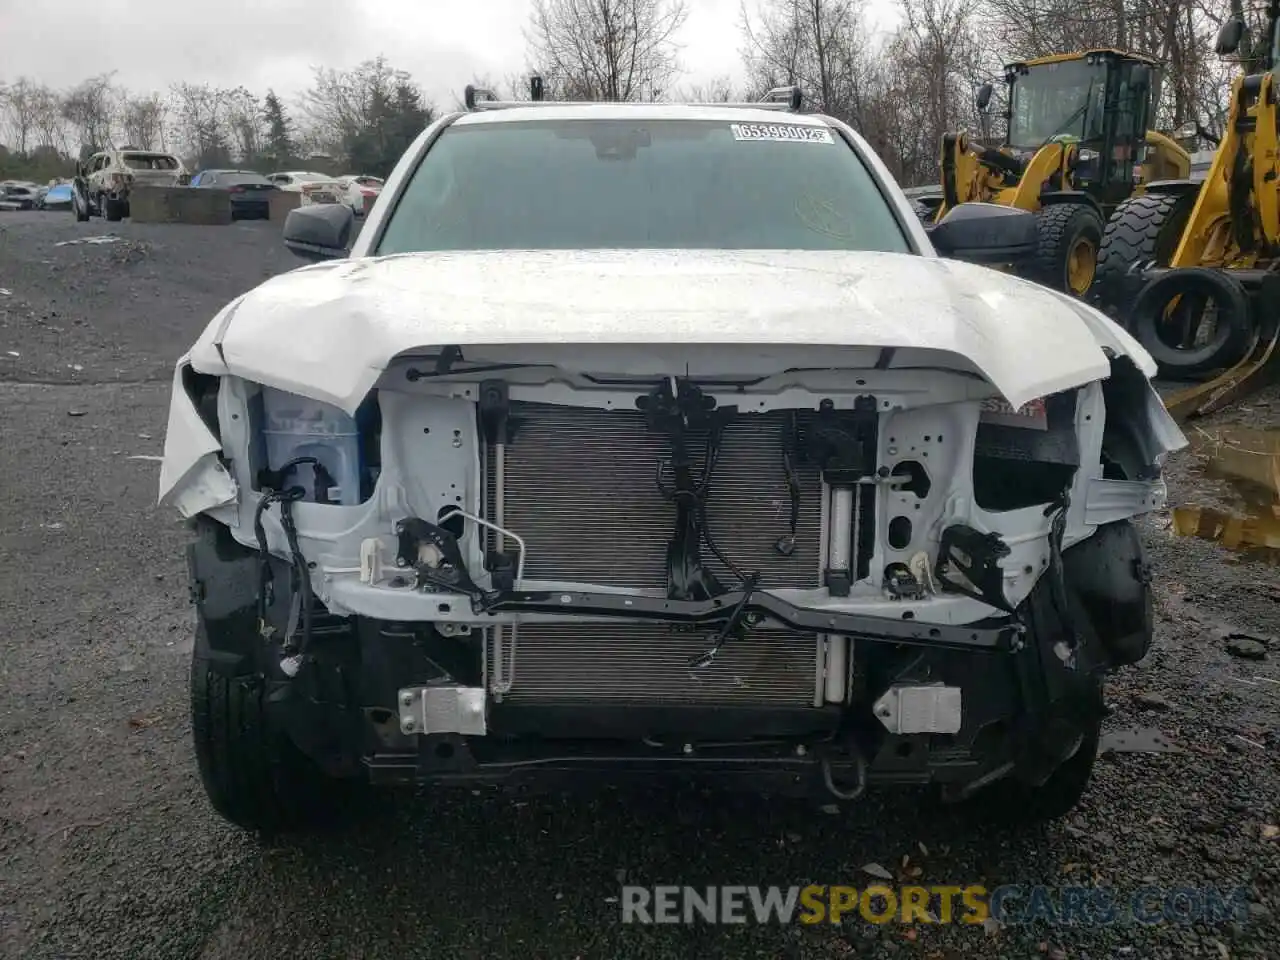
(1010, 801)
(1142, 230)
(1053, 752)
(253, 774)
(113, 210)
(1192, 321)
(1070, 234)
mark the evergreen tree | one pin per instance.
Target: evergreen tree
(280, 142)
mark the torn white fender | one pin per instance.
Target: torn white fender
(192, 478)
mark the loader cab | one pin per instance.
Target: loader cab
(1099, 99)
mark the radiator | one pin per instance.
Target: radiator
(580, 486)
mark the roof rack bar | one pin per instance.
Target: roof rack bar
(791, 98)
(476, 101)
(472, 96)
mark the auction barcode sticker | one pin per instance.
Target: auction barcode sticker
(781, 132)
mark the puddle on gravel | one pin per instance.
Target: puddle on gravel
(1248, 463)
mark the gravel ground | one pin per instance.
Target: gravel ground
(108, 848)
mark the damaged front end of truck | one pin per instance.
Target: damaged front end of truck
(802, 567)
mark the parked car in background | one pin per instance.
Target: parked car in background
(103, 182)
(18, 195)
(358, 187)
(250, 192)
(314, 187)
(58, 197)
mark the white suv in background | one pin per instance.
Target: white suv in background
(314, 187)
(358, 187)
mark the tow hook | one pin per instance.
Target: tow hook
(860, 778)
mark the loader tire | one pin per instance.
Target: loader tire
(1232, 327)
(1142, 230)
(1070, 234)
(254, 776)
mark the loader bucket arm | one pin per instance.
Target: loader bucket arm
(964, 178)
(1050, 164)
(1235, 220)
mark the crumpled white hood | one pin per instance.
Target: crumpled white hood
(329, 330)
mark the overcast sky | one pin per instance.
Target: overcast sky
(443, 43)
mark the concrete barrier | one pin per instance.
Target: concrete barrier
(195, 205)
(282, 201)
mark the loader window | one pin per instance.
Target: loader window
(1052, 100)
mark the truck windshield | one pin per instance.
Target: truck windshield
(641, 184)
(1053, 99)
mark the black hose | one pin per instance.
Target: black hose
(301, 572)
(1057, 574)
(265, 577)
(703, 493)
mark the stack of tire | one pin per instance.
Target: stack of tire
(1146, 230)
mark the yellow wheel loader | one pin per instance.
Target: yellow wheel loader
(1197, 264)
(1076, 145)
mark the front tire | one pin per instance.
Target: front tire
(1054, 748)
(1013, 802)
(253, 774)
(1069, 235)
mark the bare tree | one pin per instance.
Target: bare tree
(822, 45)
(606, 49)
(19, 100)
(341, 103)
(246, 125)
(50, 126)
(201, 122)
(716, 90)
(89, 108)
(142, 118)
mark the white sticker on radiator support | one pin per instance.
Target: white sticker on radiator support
(781, 133)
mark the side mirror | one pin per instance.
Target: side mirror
(983, 98)
(986, 233)
(319, 232)
(1229, 37)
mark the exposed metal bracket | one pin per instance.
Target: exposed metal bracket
(428, 710)
(1107, 501)
(931, 708)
